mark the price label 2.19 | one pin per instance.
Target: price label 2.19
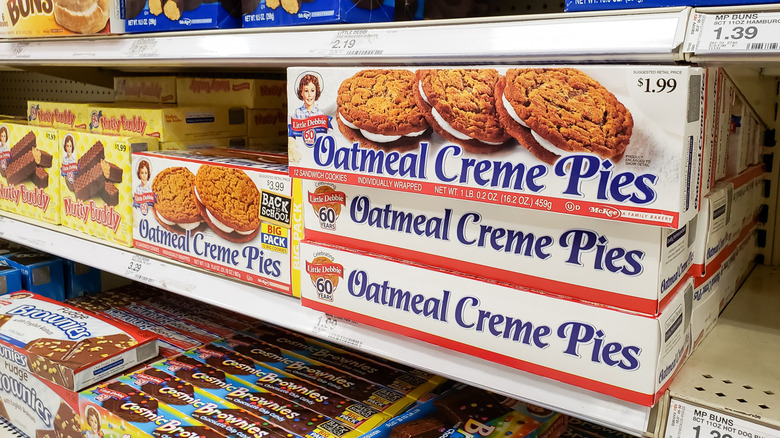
(356, 42)
(691, 421)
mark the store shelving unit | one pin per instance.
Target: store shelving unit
(649, 36)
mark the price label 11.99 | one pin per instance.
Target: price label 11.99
(690, 421)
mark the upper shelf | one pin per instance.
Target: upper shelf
(650, 36)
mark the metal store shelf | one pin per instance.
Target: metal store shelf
(286, 311)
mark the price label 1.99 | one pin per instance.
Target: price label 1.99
(657, 85)
(750, 31)
(690, 421)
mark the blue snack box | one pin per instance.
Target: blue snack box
(177, 15)
(10, 278)
(41, 273)
(267, 13)
(80, 279)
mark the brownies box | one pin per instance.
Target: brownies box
(620, 142)
(42, 274)
(174, 15)
(10, 278)
(249, 93)
(167, 122)
(626, 265)
(95, 183)
(65, 346)
(267, 13)
(232, 214)
(62, 115)
(29, 171)
(152, 89)
(623, 354)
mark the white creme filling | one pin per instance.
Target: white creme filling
(189, 226)
(219, 224)
(446, 126)
(379, 138)
(542, 142)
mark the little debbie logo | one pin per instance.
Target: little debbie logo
(324, 275)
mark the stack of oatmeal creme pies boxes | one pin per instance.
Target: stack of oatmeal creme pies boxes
(544, 218)
(226, 210)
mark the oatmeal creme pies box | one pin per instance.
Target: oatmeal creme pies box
(29, 171)
(151, 89)
(166, 122)
(95, 183)
(624, 144)
(250, 93)
(62, 115)
(231, 214)
(626, 265)
(622, 354)
(66, 346)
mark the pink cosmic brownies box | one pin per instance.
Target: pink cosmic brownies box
(611, 142)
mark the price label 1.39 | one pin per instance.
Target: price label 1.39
(751, 31)
(690, 421)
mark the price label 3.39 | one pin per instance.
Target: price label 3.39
(690, 421)
(750, 31)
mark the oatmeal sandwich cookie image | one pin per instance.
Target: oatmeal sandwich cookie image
(176, 208)
(460, 106)
(228, 201)
(377, 109)
(559, 111)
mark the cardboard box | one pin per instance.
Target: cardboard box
(268, 124)
(172, 15)
(631, 266)
(205, 143)
(152, 89)
(68, 347)
(80, 279)
(653, 180)
(42, 273)
(167, 123)
(29, 171)
(251, 237)
(26, 19)
(62, 115)
(10, 278)
(95, 181)
(249, 93)
(288, 13)
(621, 354)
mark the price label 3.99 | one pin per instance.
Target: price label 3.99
(690, 421)
(750, 31)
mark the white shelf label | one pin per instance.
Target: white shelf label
(137, 269)
(689, 421)
(327, 327)
(357, 42)
(143, 48)
(746, 32)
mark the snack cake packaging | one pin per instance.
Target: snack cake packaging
(268, 124)
(267, 13)
(233, 215)
(622, 354)
(66, 346)
(42, 274)
(624, 265)
(249, 93)
(204, 143)
(612, 142)
(95, 182)
(80, 279)
(29, 171)
(166, 122)
(152, 89)
(62, 115)
(119, 410)
(10, 278)
(174, 15)
(52, 18)
(222, 381)
(170, 342)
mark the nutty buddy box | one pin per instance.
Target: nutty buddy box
(622, 354)
(95, 183)
(612, 142)
(230, 214)
(29, 171)
(625, 265)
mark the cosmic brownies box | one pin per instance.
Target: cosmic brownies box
(95, 183)
(29, 171)
(612, 142)
(622, 354)
(232, 215)
(626, 265)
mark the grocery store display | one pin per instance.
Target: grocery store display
(655, 181)
(29, 171)
(230, 214)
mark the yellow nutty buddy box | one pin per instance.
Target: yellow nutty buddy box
(61, 115)
(96, 183)
(29, 171)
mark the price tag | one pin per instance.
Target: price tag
(143, 48)
(689, 421)
(327, 326)
(135, 269)
(751, 32)
(19, 50)
(356, 42)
